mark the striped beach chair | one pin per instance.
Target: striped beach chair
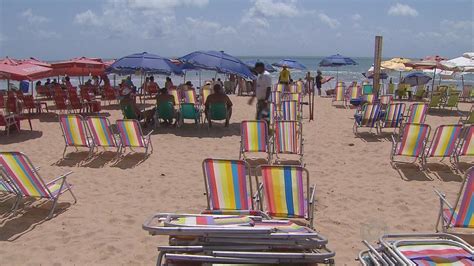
(385, 100)
(461, 215)
(228, 187)
(294, 97)
(444, 142)
(465, 146)
(411, 142)
(288, 139)
(177, 98)
(369, 98)
(189, 96)
(368, 117)
(339, 94)
(286, 192)
(300, 87)
(75, 133)
(280, 87)
(25, 176)
(290, 111)
(254, 138)
(393, 117)
(131, 135)
(206, 90)
(354, 92)
(417, 113)
(8, 188)
(101, 133)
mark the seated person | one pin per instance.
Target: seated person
(164, 98)
(152, 86)
(218, 97)
(129, 106)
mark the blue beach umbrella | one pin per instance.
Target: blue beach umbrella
(268, 67)
(145, 63)
(290, 63)
(337, 60)
(416, 79)
(218, 61)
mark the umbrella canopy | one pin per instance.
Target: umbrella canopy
(35, 61)
(336, 61)
(144, 62)
(370, 75)
(24, 71)
(81, 66)
(436, 58)
(9, 61)
(396, 64)
(415, 79)
(290, 63)
(218, 61)
(444, 74)
(460, 64)
(469, 55)
(268, 67)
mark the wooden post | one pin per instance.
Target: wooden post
(377, 63)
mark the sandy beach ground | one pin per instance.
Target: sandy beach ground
(358, 194)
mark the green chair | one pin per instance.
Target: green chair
(217, 111)
(435, 101)
(453, 100)
(391, 88)
(420, 92)
(402, 90)
(164, 111)
(189, 111)
(367, 89)
(128, 112)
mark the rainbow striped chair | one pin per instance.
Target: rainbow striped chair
(444, 142)
(386, 100)
(254, 138)
(131, 135)
(175, 93)
(286, 192)
(290, 110)
(339, 94)
(355, 92)
(21, 172)
(228, 187)
(461, 215)
(465, 146)
(368, 117)
(411, 142)
(280, 87)
(417, 113)
(206, 90)
(369, 98)
(288, 139)
(101, 132)
(8, 188)
(75, 133)
(393, 116)
(189, 96)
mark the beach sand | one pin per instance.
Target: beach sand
(358, 194)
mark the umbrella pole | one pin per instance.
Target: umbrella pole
(8, 84)
(200, 84)
(337, 75)
(434, 78)
(462, 80)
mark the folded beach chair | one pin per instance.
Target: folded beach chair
(411, 142)
(75, 133)
(339, 93)
(461, 214)
(393, 116)
(465, 146)
(254, 139)
(228, 187)
(102, 134)
(236, 239)
(288, 139)
(21, 172)
(276, 99)
(444, 142)
(368, 117)
(286, 192)
(131, 135)
(418, 249)
(290, 110)
(467, 119)
(417, 113)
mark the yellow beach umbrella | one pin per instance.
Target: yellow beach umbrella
(397, 64)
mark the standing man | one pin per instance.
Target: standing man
(285, 76)
(263, 89)
(319, 79)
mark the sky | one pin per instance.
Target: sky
(54, 29)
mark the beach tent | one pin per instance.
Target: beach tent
(218, 61)
(79, 67)
(268, 67)
(337, 60)
(290, 63)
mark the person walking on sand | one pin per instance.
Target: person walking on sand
(263, 89)
(285, 76)
(319, 79)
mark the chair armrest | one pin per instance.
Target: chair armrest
(63, 176)
(149, 134)
(312, 192)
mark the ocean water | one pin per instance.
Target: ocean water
(345, 73)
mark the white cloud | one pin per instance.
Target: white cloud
(261, 10)
(450, 25)
(87, 18)
(165, 4)
(331, 22)
(32, 18)
(402, 10)
(356, 17)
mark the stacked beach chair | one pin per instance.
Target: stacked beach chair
(272, 226)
